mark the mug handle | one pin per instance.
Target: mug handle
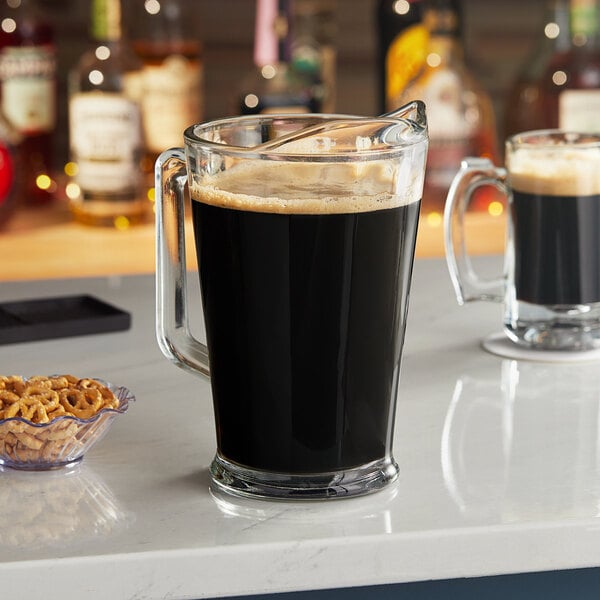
(172, 325)
(468, 286)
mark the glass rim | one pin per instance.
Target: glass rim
(553, 138)
(193, 136)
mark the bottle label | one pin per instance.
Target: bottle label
(452, 135)
(404, 58)
(7, 174)
(444, 157)
(28, 76)
(579, 110)
(171, 101)
(105, 141)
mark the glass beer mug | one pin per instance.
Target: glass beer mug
(551, 286)
(304, 230)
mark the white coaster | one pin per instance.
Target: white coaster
(499, 344)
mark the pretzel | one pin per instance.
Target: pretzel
(7, 397)
(107, 396)
(81, 403)
(12, 383)
(57, 382)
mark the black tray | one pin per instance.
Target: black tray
(63, 316)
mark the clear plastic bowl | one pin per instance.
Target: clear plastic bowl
(59, 443)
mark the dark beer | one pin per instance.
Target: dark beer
(557, 248)
(305, 318)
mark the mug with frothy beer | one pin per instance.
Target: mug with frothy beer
(551, 286)
(305, 230)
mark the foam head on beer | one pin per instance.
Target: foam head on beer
(555, 171)
(312, 188)
(332, 167)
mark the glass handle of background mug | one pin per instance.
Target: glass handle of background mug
(172, 325)
(473, 174)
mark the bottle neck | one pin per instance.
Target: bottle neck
(272, 32)
(557, 25)
(107, 20)
(444, 45)
(585, 23)
(169, 23)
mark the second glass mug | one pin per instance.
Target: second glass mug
(551, 282)
(305, 253)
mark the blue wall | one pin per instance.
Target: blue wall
(580, 584)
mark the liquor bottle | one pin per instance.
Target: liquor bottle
(165, 38)
(10, 139)
(313, 51)
(460, 113)
(275, 85)
(402, 40)
(105, 126)
(572, 80)
(28, 94)
(524, 106)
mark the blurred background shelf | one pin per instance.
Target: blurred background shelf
(46, 244)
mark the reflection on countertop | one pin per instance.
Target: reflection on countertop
(350, 516)
(546, 416)
(41, 509)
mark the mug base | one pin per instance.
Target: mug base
(572, 328)
(241, 481)
(501, 345)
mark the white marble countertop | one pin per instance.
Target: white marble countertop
(499, 460)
